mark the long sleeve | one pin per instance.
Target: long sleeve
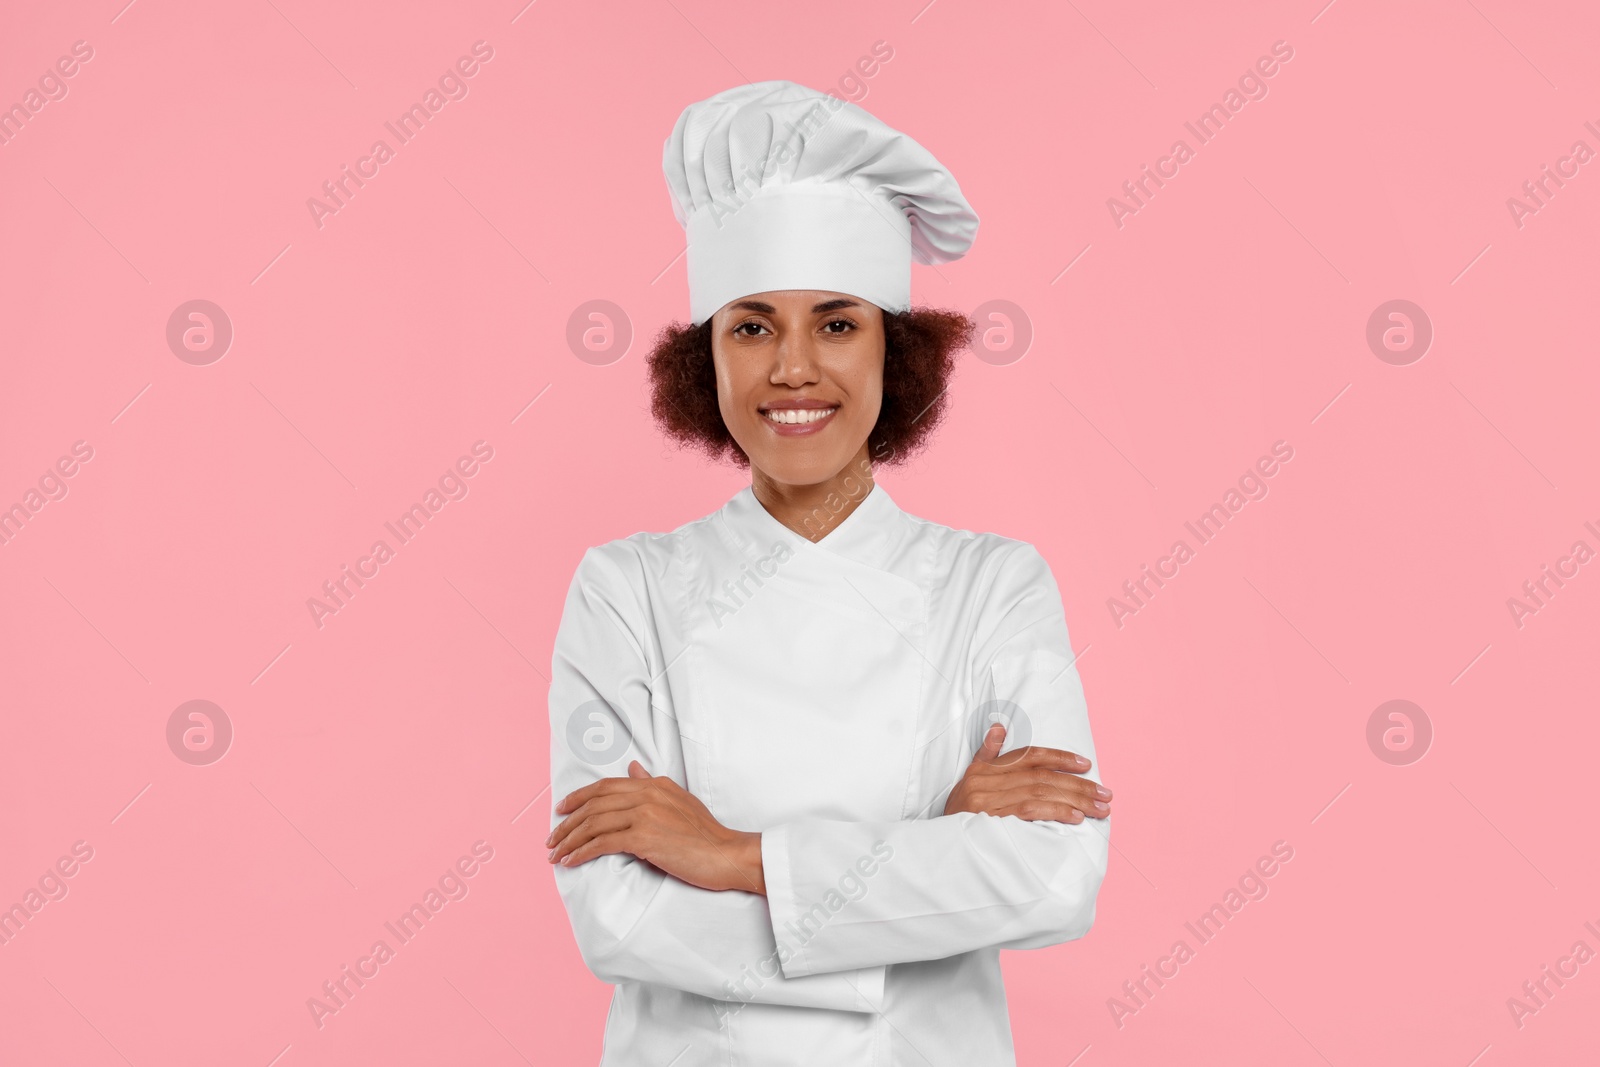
(936, 887)
(633, 923)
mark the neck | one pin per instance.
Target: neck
(813, 510)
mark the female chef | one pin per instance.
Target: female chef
(815, 761)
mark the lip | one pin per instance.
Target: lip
(802, 429)
(798, 403)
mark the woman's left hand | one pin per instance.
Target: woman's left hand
(663, 824)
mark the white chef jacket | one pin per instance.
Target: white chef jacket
(828, 695)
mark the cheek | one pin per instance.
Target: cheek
(868, 392)
(868, 409)
(725, 402)
(730, 392)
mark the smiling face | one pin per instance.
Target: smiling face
(799, 381)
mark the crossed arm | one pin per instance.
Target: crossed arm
(660, 822)
(645, 871)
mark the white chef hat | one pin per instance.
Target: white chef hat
(778, 186)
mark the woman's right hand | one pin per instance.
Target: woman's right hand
(1032, 783)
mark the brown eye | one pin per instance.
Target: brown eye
(839, 322)
(742, 325)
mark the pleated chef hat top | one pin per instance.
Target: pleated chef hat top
(779, 186)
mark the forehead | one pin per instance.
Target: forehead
(794, 301)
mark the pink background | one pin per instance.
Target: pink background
(1228, 313)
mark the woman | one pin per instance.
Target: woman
(815, 761)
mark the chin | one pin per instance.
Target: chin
(794, 471)
(798, 464)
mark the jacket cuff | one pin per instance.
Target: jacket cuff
(790, 929)
(782, 907)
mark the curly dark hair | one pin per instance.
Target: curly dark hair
(919, 355)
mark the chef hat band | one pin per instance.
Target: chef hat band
(805, 237)
(779, 186)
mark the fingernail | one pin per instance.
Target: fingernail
(552, 856)
(549, 839)
(1102, 792)
(1101, 807)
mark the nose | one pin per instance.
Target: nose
(794, 359)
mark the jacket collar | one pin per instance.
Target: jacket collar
(868, 535)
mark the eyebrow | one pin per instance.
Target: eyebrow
(826, 305)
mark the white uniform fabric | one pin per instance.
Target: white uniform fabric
(828, 695)
(779, 186)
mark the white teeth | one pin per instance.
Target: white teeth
(794, 416)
